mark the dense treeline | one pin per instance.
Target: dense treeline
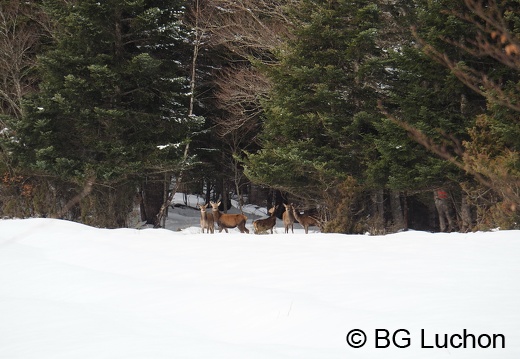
(379, 115)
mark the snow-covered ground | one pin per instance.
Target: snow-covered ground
(75, 292)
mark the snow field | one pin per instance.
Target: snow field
(72, 291)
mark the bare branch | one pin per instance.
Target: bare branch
(487, 175)
(20, 34)
(249, 28)
(493, 40)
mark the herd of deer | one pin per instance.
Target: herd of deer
(226, 220)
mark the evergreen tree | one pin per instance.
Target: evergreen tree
(443, 113)
(321, 105)
(112, 105)
(425, 96)
(322, 129)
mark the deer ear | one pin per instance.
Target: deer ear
(218, 204)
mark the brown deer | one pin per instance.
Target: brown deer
(288, 218)
(226, 220)
(206, 219)
(261, 225)
(305, 220)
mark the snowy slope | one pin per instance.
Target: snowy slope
(72, 291)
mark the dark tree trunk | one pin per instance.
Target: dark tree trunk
(397, 211)
(225, 197)
(208, 191)
(377, 212)
(152, 194)
(465, 214)
(405, 210)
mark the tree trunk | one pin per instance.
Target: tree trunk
(152, 193)
(397, 211)
(465, 214)
(225, 198)
(166, 187)
(405, 210)
(208, 191)
(377, 212)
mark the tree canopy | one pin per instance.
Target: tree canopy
(382, 115)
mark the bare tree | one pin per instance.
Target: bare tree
(239, 91)
(22, 27)
(21, 30)
(248, 31)
(250, 28)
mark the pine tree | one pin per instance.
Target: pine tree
(442, 113)
(317, 112)
(112, 105)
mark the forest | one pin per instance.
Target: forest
(372, 116)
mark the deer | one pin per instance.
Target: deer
(288, 218)
(261, 225)
(226, 220)
(206, 219)
(305, 220)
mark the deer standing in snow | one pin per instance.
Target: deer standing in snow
(305, 220)
(288, 218)
(206, 219)
(226, 220)
(261, 225)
